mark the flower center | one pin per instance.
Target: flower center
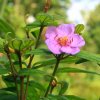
(62, 40)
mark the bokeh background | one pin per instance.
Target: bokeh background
(19, 12)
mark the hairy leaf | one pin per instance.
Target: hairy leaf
(75, 70)
(89, 56)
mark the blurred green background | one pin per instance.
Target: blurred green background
(19, 12)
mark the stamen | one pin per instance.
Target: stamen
(63, 41)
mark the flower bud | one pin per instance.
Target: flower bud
(54, 83)
(11, 50)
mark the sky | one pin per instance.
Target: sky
(74, 12)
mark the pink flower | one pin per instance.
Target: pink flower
(63, 39)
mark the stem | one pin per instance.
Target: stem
(28, 77)
(30, 61)
(41, 29)
(22, 88)
(21, 77)
(14, 74)
(47, 5)
(19, 57)
(13, 71)
(53, 75)
(12, 66)
(15, 78)
(27, 33)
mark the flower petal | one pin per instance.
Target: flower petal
(53, 46)
(51, 32)
(65, 29)
(70, 50)
(78, 41)
(75, 51)
(66, 49)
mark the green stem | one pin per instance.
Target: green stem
(13, 71)
(30, 61)
(19, 57)
(14, 74)
(21, 77)
(37, 42)
(53, 75)
(15, 78)
(22, 88)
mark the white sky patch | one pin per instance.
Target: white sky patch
(74, 12)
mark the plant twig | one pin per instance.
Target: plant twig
(53, 75)
(18, 52)
(13, 71)
(22, 88)
(47, 5)
(30, 61)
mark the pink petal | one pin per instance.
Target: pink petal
(65, 29)
(78, 41)
(75, 51)
(66, 49)
(53, 46)
(70, 50)
(50, 32)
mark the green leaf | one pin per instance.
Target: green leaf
(15, 44)
(32, 72)
(9, 81)
(51, 61)
(72, 97)
(79, 28)
(1, 42)
(89, 56)
(27, 43)
(38, 52)
(5, 27)
(64, 87)
(44, 63)
(64, 97)
(32, 93)
(33, 25)
(75, 70)
(48, 78)
(52, 97)
(3, 71)
(11, 89)
(8, 78)
(45, 19)
(81, 60)
(17, 63)
(35, 32)
(37, 85)
(3, 60)
(7, 95)
(18, 44)
(70, 59)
